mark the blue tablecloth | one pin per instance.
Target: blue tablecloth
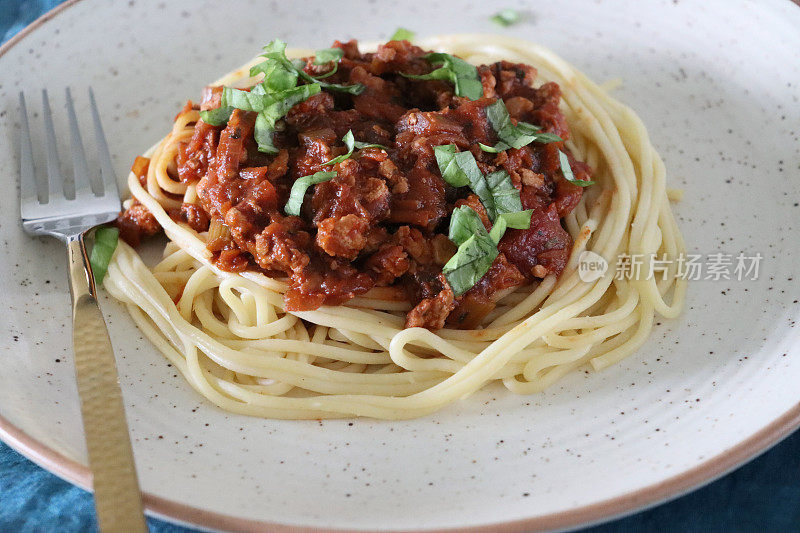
(761, 496)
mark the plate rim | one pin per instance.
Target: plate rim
(640, 499)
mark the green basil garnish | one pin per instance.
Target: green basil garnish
(277, 93)
(457, 168)
(352, 144)
(477, 248)
(402, 34)
(275, 52)
(513, 135)
(495, 190)
(326, 55)
(566, 170)
(277, 76)
(105, 242)
(299, 189)
(505, 197)
(461, 74)
(464, 223)
(276, 108)
(218, 116)
(506, 17)
(518, 220)
(471, 262)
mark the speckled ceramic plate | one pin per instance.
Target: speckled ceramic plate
(718, 84)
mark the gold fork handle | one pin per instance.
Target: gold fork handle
(117, 497)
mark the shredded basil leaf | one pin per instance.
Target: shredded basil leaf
(566, 170)
(461, 74)
(495, 190)
(497, 148)
(105, 242)
(518, 219)
(458, 168)
(513, 135)
(505, 196)
(354, 89)
(506, 17)
(352, 144)
(263, 133)
(477, 248)
(246, 100)
(275, 107)
(498, 230)
(471, 262)
(299, 189)
(275, 53)
(326, 55)
(216, 117)
(464, 223)
(361, 145)
(402, 34)
(328, 74)
(277, 76)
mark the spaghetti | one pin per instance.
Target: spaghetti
(231, 337)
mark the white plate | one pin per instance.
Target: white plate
(718, 85)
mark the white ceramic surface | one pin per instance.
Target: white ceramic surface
(717, 83)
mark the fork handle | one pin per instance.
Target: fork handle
(117, 497)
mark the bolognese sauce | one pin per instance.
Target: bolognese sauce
(382, 219)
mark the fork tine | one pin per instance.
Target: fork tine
(106, 169)
(55, 180)
(80, 168)
(28, 189)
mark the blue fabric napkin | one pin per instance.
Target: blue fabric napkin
(761, 496)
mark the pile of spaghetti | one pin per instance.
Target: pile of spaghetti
(381, 234)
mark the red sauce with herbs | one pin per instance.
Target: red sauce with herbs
(383, 220)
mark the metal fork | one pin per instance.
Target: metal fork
(69, 211)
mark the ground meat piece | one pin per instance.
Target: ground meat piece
(519, 107)
(545, 243)
(194, 156)
(473, 306)
(431, 312)
(547, 113)
(212, 96)
(135, 223)
(276, 249)
(396, 180)
(414, 243)
(231, 260)
(388, 264)
(343, 237)
(488, 81)
(424, 205)
(354, 190)
(380, 100)
(140, 167)
(320, 285)
(513, 79)
(195, 216)
(231, 150)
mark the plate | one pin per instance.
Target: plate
(717, 85)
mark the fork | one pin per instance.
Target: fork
(68, 211)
